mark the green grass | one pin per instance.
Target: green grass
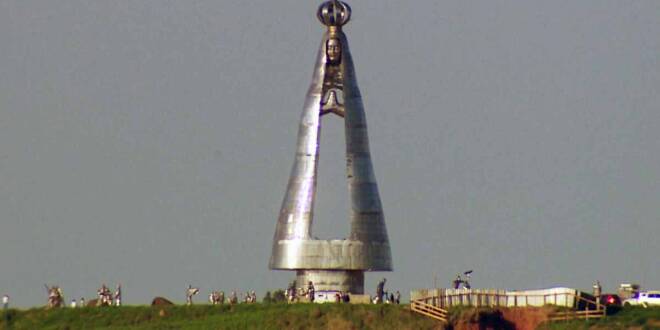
(282, 316)
(628, 317)
(255, 316)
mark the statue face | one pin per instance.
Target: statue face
(333, 51)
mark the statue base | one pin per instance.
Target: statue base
(349, 281)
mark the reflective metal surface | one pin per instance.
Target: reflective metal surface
(333, 280)
(334, 90)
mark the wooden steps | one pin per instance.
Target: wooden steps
(431, 311)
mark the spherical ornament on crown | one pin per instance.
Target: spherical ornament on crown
(334, 14)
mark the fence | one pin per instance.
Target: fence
(577, 305)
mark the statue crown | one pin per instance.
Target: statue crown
(334, 13)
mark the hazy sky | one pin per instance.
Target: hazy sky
(150, 142)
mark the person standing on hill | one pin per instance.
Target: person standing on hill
(311, 292)
(345, 297)
(597, 289)
(291, 291)
(5, 302)
(380, 291)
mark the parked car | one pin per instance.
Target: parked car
(612, 302)
(644, 298)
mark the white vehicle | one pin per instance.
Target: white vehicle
(644, 298)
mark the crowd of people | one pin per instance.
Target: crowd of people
(308, 294)
(218, 297)
(293, 294)
(105, 298)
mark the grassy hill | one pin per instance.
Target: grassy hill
(254, 316)
(298, 316)
(628, 318)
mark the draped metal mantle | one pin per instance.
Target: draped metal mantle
(334, 90)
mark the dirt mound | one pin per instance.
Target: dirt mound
(160, 301)
(480, 319)
(504, 318)
(527, 318)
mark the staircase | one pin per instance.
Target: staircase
(421, 307)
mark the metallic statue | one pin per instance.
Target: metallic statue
(233, 298)
(217, 298)
(456, 284)
(332, 265)
(105, 296)
(190, 293)
(118, 295)
(55, 297)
